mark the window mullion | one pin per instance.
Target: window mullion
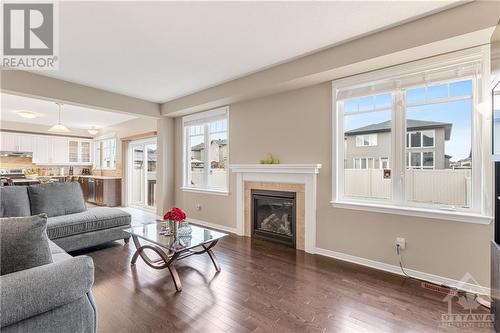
(187, 160)
(206, 159)
(398, 146)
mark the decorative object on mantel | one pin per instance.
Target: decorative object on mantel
(270, 160)
(178, 226)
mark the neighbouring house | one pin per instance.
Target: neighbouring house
(369, 147)
(218, 154)
(464, 163)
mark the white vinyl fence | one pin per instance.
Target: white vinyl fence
(216, 179)
(445, 186)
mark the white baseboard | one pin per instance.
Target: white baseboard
(439, 280)
(213, 225)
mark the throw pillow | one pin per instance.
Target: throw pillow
(14, 201)
(23, 243)
(56, 199)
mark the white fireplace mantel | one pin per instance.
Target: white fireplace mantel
(280, 173)
(276, 168)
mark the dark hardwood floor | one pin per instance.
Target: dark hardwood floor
(263, 287)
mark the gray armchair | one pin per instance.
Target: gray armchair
(56, 296)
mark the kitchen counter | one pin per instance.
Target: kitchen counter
(98, 177)
(25, 181)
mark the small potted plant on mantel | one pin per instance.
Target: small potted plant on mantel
(177, 222)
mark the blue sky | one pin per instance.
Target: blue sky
(458, 113)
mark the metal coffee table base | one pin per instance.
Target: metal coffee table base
(168, 261)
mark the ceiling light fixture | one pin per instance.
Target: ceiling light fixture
(93, 130)
(27, 114)
(59, 127)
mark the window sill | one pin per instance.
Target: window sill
(205, 190)
(413, 211)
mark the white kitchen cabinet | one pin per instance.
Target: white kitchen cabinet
(16, 142)
(49, 149)
(25, 142)
(85, 151)
(79, 151)
(41, 149)
(58, 150)
(8, 141)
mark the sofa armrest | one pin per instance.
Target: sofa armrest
(27, 293)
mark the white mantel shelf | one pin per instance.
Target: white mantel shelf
(276, 168)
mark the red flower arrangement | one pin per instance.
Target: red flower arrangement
(175, 214)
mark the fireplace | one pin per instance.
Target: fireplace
(274, 216)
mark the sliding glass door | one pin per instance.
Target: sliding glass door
(141, 184)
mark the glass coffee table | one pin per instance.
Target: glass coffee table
(170, 250)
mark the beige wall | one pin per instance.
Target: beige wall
(296, 127)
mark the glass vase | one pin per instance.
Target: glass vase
(184, 229)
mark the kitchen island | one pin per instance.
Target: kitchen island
(101, 190)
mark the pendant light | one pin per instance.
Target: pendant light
(59, 127)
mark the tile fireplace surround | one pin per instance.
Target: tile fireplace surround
(298, 178)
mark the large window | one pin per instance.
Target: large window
(206, 143)
(105, 154)
(407, 138)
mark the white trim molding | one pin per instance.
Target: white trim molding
(280, 173)
(414, 211)
(212, 225)
(439, 280)
(276, 168)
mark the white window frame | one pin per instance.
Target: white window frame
(371, 143)
(422, 167)
(381, 163)
(203, 118)
(408, 138)
(360, 160)
(98, 157)
(478, 59)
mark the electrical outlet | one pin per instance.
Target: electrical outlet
(401, 242)
(198, 207)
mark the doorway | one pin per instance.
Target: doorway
(141, 184)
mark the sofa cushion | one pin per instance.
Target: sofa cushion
(97, 218)
(56, 199)
(23, 243)
(14, 201)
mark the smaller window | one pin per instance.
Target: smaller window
(420, 160)
(384, 163)
(416, 139)
(364, 163)
(105, 154)
(366, 140)
(419, 139)
(206, 139)
(428, 138)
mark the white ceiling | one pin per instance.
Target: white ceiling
(162, 50)
(71, 116)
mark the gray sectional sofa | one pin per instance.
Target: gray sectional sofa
(56, 297)
(70, 224)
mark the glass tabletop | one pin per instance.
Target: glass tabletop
(153, 233)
